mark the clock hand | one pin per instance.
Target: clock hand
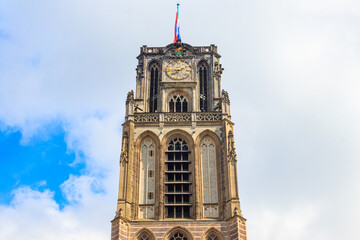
(177, 69)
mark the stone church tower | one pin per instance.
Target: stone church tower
(178, 176)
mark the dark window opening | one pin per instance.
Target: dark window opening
(203, 77)
(154, 84)
(178, 104)
(171, 105)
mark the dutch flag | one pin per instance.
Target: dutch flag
(177, 26)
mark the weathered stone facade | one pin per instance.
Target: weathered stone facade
(178, 176)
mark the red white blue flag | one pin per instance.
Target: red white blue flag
(177, 26)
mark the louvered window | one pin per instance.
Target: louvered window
(177, 180)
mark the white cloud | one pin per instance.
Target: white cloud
(35, 215)
(284, 223)
(292, 71)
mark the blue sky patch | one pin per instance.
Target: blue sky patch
(41, 163)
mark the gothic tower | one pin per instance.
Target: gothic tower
(178, 176)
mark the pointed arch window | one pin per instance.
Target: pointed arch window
(178, 103)
(154, 87)
(203, 78)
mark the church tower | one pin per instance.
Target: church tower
(178, 176)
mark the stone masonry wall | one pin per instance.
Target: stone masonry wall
(232, 229)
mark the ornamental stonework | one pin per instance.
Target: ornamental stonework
(178, 163)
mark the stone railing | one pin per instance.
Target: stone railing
(178, 117)
(208, 117)
(147, 117)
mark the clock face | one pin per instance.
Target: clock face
(178, 69)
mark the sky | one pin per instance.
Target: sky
(292, 70)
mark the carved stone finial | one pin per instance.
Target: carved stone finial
(130, 97)
(225, 96)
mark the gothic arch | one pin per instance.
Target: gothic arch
(146, 232)
(142, 178)
(204, 61)
(179, 229)
(209, 168)
(185, 93)
(152, 62)
(209, 133)
(149, 134)
(212, 231)
(178, 132)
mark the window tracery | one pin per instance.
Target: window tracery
(178, 236)
(178, 103)
(212, 236)
(144, 236)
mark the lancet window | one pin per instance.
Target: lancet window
(203, 78)
(178, 103)
(154, 86)
(177, 180)
(209, 176)
(147, 179)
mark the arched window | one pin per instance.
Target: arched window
(147, 179)
(212, 236)
(209, 178)
(203, 77)
(178, 236)
(177, 181)
(154, 85)
(178, 103)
